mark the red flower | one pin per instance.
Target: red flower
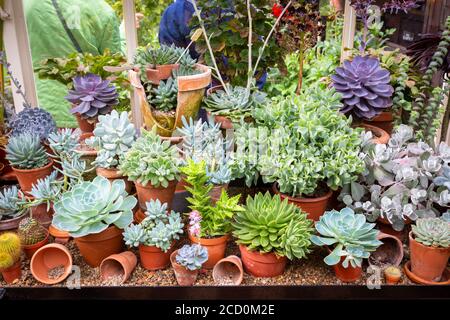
(277, 9)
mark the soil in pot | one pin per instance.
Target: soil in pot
(27, 178)
(51, 264)
(13, 273)
(215, 246)
(264, 265)
(390, 253)
(153, 258)
(185, 277)
(31, 249)
(148, 192)
(117, 268)
(96, 247)
(228, 271)
(113, 174)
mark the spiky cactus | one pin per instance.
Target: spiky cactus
(30, 231)
(6, 261)
(10, 245)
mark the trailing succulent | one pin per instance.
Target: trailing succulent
(403, 180)
(192, 257)
(352, 237)
(114, 135)
(11, 203)
(92, 206)
(151, 160)
(30, 231)
(432, 232)
(10, 249)
(269, 224)
(26, 152)
(164, 96)
(92, 96)
(35, 121)
(159, 228)
(364, 85)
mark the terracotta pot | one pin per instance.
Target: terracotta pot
(215, 246)
(181, 185)
(139, 216)
(27, 178)
(445, 279)
(113, 174)
(60, 236)
(314, 207)
(13, 273)
(384, 121)
(349, 274)
(148, 192)
(41, 214)
(88, 155)
(216, 191)
(384, 226)
(161, 72)
(427, 263)
(31, 249)
(379, 135)
(153, 258)
(339, 5)
(48, 257)
(228, 271)
(389, 253)
(392, 275)
(96, 247)
(11, 224)
(85, 125)
(185, 277)
(262, 264)
(117, 265)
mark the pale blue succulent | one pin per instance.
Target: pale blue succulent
(444, 179)
(133, 235)
(63, 142)
(47, 190)
(192, 257)
(352, 237)
(11, 204)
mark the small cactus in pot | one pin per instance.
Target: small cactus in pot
(10, 249)
(186, 263)
(32, 235)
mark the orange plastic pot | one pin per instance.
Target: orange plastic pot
(215, 246)
(51, 256)
(384, 121)
(116, 265)
(185, 277)
(264, 265)
(113, 174)
(228, 271)
(31, 249)
(153, 258)
(314, 207)
(392, 275)
(427, 263)
(96, 247)
(149, 192)
(85, 125)
(13, 273)
(27, 178)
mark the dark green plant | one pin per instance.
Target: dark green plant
(164, 96)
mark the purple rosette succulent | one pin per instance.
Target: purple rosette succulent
(364, 85)
(92, 96)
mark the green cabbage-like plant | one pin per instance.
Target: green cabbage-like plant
(151, 160)
(352, 237)
(91, 207)
(432, 232)
(269, 224)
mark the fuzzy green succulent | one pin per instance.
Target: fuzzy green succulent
(30, 231)
(26, 152)
(269, 224)
(432, 232)
(164, 97)
(151, 160)
(11, 204)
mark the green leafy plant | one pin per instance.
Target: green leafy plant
(11, 205)
(151, 57)
(432, 232)
(192, 257)
(269, 224)
(10, 249)
(164, 96)
(30, 231)
(92, 206)
(26, 152)
(353, 238)
(151, 160)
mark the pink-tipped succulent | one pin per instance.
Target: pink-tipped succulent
(194, 223)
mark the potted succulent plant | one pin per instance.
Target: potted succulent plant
(28, 159)
(10, 250)
(269, 231)
(94, 213)
(392, 275)
(349, 239)
(11, 208)
(32, 235)
(210, 224)
(153, 166)
(155, 235)
(91, 96)
(114, 135)
(429, 244)
(187, 261)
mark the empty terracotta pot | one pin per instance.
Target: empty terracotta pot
(262, 264)
(313, 207)
(215, 246)
(31, 249)
(148, 192)
(50, 257)
(153, 258)
(118, 265)
(60, 236)
(389, 253)
(228, 271)
(27, 178)
(13, 273)
(185, 277)
(113, 174)
(96, 247)
(427, 263)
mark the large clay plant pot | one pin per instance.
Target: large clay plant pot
(427, 263)
(384, 121)
(12, 273)
(113, 174)
(96, 247)
(185, 277)
(191, 90)
(313, 207)
(153, 258)
(27, 178)
(262, 264)
(86, 125)
(118, 265)
(50, 257)
(215, 246)
(390, 253)
(228, 271)
(149, 192)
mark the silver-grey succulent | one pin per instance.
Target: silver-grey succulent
(432, 232)
(192, 257)
(11, 203)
